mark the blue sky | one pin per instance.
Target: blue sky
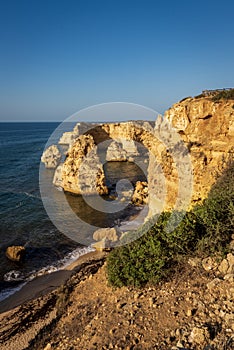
(59, 56)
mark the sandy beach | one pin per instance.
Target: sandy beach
(47, 283)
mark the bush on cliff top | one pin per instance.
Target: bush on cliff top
(225, 95)
(157, 251)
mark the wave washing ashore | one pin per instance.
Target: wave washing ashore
(23, 217)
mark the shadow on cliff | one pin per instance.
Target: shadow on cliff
(99, 135)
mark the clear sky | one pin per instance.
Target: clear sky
(58, 56)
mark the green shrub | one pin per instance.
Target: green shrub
(158, 247)
(217, 214)
(155, 254)
(225, 95)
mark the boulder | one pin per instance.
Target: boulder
(15, 253)
(227, 265)
(106, 233)
(51, 157)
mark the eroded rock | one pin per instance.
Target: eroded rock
(82, 171)
(116, 153)
(141, 193)
(51, 157)
(69, 137)
(107, 233)
(15, 253)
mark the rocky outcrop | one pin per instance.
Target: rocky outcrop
(198, 131)
(15, 253)
(130, 147)
(116, 153)
(51, 157)
(108, 233)
(57, 179)
(82, 171)
(188, 148)
(140, 195)
(69, 137)
(105, 238)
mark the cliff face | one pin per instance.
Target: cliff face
(207, 130)
(188, 148)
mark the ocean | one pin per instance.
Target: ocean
(23, 219)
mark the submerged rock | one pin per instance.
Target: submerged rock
(15, 253)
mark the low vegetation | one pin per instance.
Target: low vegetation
(224, 95)
(159, 249)
(217, 95)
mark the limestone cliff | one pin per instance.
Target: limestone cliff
(188, 148)
(206, 128)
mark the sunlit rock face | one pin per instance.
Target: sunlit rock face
(51, 157)
(188, 148)
(69, 137)
(207, 131)
(82, 171)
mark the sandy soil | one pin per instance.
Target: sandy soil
(193, 311)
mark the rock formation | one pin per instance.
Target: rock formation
(57, 179)
(205, 136)
(116, 153)
(69, 137)
(188, 148)
(109, 233)
(51, 157)
(130, 147)
(140, 195)
(15, 253)
(82, 171)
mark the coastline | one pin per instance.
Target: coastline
(45, 284)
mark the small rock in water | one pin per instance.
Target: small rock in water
(51, 157)
(15, 253)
